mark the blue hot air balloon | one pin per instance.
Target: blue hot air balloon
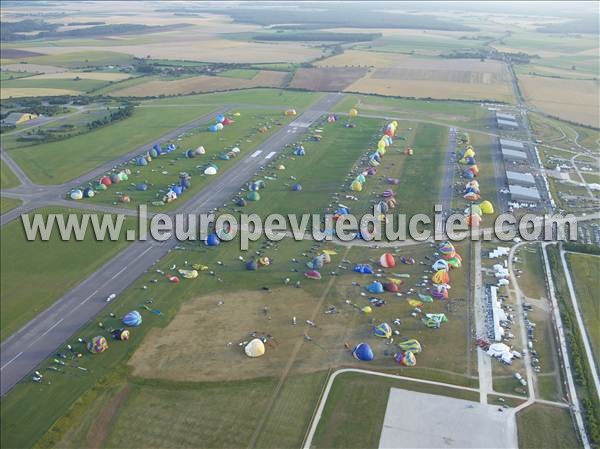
(213, 240)
(363, 352)
(132, 319)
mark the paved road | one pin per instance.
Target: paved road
(43, 335)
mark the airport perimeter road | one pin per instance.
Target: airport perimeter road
(43, 335)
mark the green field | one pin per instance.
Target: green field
(57, 162)
(56, 266)
(532, 280)
(286, 421)
(6, 75)
(7, 204)
(355, 409)
(246, 74)
(7, 178)
(546, 426)
(243, 133)
(422, 45)
(453, 113)
(584, 272)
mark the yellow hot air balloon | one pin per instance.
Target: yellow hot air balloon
(487, 207)
(353, 112)
(356, 186)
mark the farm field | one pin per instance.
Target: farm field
(532, 280)
(199, 84)
(326, 79)
(16, 92)
(439, 79)
(64, 265)
(584, 272)
(565, 99)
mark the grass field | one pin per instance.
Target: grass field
(584, 272)
(532, 281)
(284, 423)
(355, 409)
(566, 99)
(546, 426)
(7, 204)
(160, 173)
(80, 59)
(56, 266)
(57, 162)
(59, 85)
(452, 113)
(7, 178)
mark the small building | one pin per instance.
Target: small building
(503, 116)
(16, 118)
(507, 124)
(513, 155)
(520, 193)
(514, 177)
(512, 144)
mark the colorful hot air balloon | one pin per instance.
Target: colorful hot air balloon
(120, 334)
(440, 291)
(440, 264)
(97, 345)
(132, 319)
(387, 260)
(363, 352)
(440, 277)
(382, 330)
(406, 358)
(411, 345)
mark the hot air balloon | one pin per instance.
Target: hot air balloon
(363, 352)
(440, 264)
(313, 274)
(76, 194)
(441, 277)
(255, 348)
(487, 207)
(440, 291)
(406, 358)
(251, 265)
(97, 345)
(132, 319)
(387, 260)
(253, 196)
(382, 330)
(120, 334)
(375, 287)
(353, 112)
(411, 345)
(213, 240)
(363, 269)
(356, 186)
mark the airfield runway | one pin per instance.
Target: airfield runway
(42, 336)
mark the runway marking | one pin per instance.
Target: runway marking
(88, 298)
(51, 327)
(12, 360)
(120, 271)
(271, 154)
(256, 153)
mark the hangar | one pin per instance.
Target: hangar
(520, 193)
(520, 178)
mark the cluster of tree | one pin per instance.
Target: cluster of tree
(321, 36)
(9, 31)
(114, 116)
(582, 248)
(482, 54)
(33, 106)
